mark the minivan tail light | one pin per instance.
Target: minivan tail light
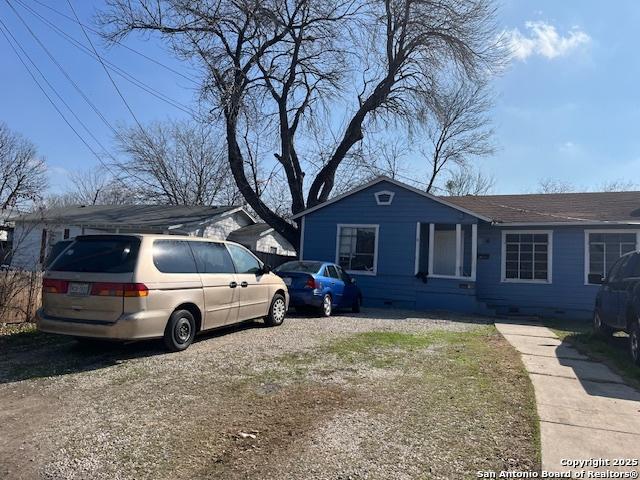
(53, 285)
(109, 289)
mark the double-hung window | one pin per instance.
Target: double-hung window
(357, 248)
(526, 256)
(604, 247)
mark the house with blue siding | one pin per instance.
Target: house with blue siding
(497, 254)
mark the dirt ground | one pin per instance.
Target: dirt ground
(382, 394)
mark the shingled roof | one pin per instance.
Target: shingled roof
(591, 207)
(250, 232)
(147, 216)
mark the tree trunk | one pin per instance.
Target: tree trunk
(236, 161)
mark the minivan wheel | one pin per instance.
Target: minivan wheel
(277, 311)
(326, 308)
(599, 327)
(634, 342)
(180, 331)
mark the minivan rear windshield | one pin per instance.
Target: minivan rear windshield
(99, 254)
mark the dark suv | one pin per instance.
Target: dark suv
(618, 301)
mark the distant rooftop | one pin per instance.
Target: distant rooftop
(249, 232)
(148, 216)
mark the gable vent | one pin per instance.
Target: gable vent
(384, 197)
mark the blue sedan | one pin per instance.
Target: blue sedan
(321, 285)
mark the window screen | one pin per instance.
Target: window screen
(605, 248)
(527, 256)
(356, 249)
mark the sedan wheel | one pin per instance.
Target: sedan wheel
(326, 306)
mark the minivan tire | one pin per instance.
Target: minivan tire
(277, 311)
(634, 342)
(599, 327)
(180, 331)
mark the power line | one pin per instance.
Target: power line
(4, 30)
(64, 72)
(115, 85)
(157, 62)
(121, 72)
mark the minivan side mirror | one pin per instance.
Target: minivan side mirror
(596, 278)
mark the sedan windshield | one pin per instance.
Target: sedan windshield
(305, 267)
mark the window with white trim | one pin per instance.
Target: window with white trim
(604, 248)
(446, 250)
(526, 256)
(357, 248)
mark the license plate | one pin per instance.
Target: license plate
(287, 281)
(78, 289)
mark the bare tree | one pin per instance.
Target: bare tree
(458, 130)
(176, 163)
(23, 175)
(469, 181)
(93, 187)
(619, 185)
(554, 185)
(297, 65)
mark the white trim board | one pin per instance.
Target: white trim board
(301, 247)
(503, 259)
(384, 192)
(459, 252)
(375, 247)
(603, 230)
(397, 184)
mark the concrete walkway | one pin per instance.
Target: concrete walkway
(586, 411)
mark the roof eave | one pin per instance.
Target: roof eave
(585, 223)
(397, 183)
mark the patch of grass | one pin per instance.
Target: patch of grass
(463, 399)
(16, 336)
(613, 350)
(383, 348)
(15, 328)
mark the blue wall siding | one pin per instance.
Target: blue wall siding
(395, 283)
(567, 295)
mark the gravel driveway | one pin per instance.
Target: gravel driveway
(381, 394)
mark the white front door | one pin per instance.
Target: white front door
(444, 252)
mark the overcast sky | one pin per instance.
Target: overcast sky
(567, 107)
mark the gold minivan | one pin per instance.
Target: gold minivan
(132, 287)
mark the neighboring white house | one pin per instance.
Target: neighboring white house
(35, 233)
(262, 238)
